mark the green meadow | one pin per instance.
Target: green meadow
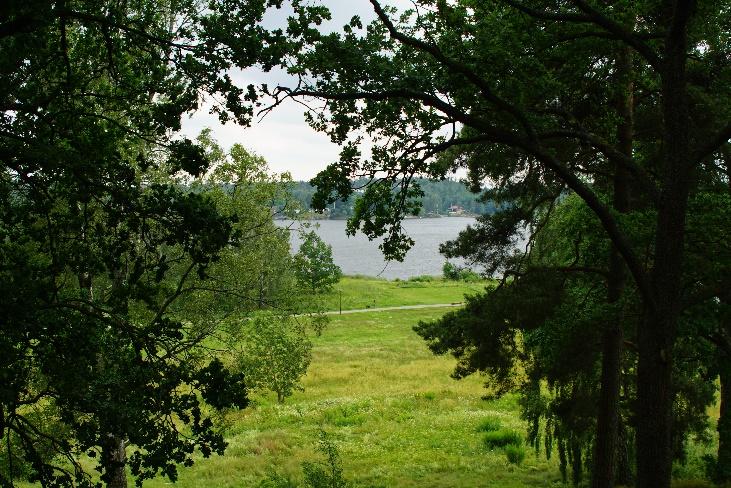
(389, 406)
(386, 402)
(357, 292)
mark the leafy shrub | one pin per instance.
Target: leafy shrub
(502, 438)
(515, 453)
(422, 278)
(489, 424)
(450, 271)
(469, 276)
(453, 272)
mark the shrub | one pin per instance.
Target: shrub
(453, 272)
(422, 278)
(489, 424)
(502, 438)
(450, 271)
(515, 453)
(469, 276)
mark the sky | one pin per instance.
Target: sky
(283, 137)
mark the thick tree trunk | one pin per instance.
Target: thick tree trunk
(605, 448)
(606, 445)
(116, 459)
(623, 469)
(656, 336)
(114, 451)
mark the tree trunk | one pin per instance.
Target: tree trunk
(606, 445)
(623, 468)
(656, 335)
(116, 459)
(605, 448)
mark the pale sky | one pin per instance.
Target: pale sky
(283, 137)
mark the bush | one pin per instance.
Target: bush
(515, 453)
(453, 272)
(490, 424)
(450, 271)
(422, 278)
(469, 276)
(502, 438)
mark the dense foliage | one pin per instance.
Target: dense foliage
(120, 251)
(313, 263)
(624, 105)
(274, 353)
(439, 196)
(601, 129)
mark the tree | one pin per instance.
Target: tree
(101, 240)
(524, 85)
(314, 264)
(540, 332)
(275, 353)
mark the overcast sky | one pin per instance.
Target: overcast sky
(283, 137)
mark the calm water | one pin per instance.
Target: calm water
(358, 255)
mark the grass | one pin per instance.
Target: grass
(515, 453)
(390, 407)
(489, 424)
(502, 438)
(388, 404)
(360, 292)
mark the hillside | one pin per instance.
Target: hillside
(438, 197)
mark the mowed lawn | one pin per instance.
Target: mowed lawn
(388, 404)
(362, 292)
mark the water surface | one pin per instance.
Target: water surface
(358, 255)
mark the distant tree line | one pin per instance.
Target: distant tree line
(439, 196)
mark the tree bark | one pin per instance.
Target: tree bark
(116, 460)
(606, 445)
(623, 468)
(656, 335)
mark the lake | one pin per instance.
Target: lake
(358, 255)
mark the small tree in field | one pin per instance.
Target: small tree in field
(313, 264)
(276, 354)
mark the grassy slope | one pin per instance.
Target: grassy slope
(359, 292)
(392, 409)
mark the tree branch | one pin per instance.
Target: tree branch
(461, 68)
(613, 154)
(622, 33)
(714, 144)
